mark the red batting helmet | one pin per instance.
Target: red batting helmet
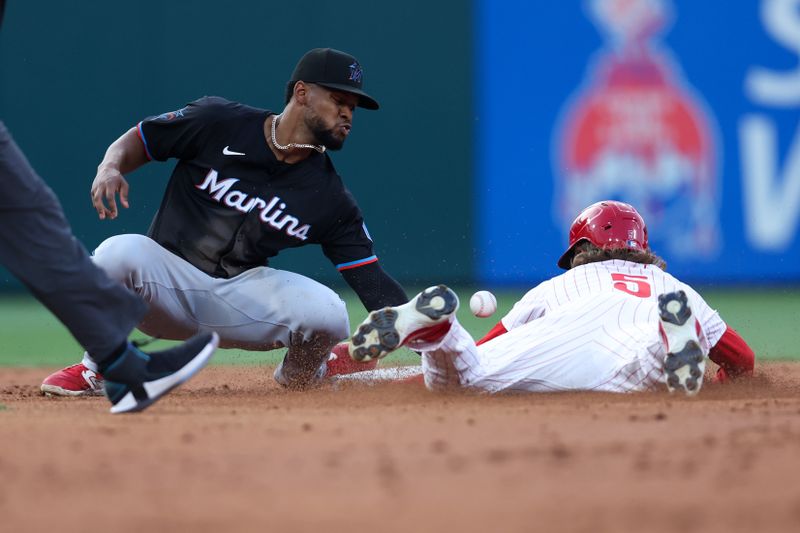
(606, 224)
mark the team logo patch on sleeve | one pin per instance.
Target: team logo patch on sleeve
(171, 115)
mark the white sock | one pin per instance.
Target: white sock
(89, 363)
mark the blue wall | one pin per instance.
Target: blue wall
(694, 123)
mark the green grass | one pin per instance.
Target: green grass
(767, 319)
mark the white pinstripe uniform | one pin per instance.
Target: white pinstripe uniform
(595, 327)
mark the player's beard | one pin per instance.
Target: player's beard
(323, 135)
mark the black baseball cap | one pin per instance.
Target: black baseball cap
(335, 70)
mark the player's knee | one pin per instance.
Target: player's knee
(122, 256)
(329, 317)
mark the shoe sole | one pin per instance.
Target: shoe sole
(54, 390)
(160, 387)
(389, 328)
(684, 367)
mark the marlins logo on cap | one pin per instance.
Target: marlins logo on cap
(334, 70)
(356, 72)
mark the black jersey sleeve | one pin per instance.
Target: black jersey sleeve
(349, 247)
(374, 287)
(180, 134)
(347, 242)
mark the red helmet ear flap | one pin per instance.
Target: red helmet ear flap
(606, 224)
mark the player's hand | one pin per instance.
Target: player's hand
(106, 185)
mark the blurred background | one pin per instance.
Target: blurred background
(500, 121)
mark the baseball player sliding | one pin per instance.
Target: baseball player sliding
(615, 321)
(248, 183)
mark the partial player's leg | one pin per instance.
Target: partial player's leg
(451, 361)
(140, 269)
(685, 362)
(135, 380)
(423, 324)
(427, 316)
(569, 349)
(37, 246)
(285, 309)
(261, 309)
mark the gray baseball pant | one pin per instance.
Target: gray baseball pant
(260, 309)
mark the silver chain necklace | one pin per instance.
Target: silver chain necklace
(318, 147)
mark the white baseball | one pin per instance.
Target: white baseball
(483, 304)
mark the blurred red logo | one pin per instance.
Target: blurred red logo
(636, 132)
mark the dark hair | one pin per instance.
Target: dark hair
(587, 252)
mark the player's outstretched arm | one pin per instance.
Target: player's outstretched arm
(734, 357)
(375, 288)
(125, 155)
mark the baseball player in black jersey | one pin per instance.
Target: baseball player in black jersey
(37, 246)
(248, 183)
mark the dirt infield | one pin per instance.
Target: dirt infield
(232, 452)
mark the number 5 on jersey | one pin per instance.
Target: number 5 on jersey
(633, 285)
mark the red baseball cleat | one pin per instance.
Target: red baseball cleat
(75, 380)
(340, 362)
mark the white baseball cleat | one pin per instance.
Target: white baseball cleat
(427, 317)
(685, 363)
